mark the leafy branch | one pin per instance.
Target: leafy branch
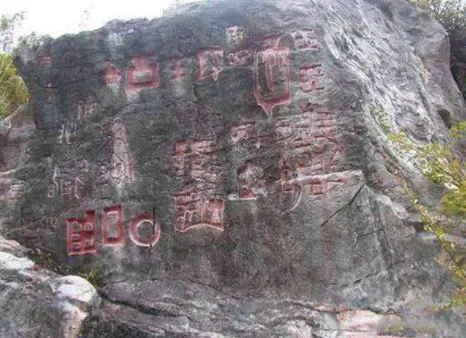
(439, 163)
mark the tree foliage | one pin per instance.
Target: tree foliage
(8, 24)
(31, 40)
(440, 164)
(450, 13)
(13, 90)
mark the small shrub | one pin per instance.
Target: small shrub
(13, 90)
(450, 13)
(438, 163)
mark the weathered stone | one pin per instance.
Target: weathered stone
(225, 171)
(37, 303)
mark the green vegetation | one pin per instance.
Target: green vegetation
(8, 25)
(441, 165)
(450, 13)
(13, 91)
(31, 41)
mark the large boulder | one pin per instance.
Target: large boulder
(225, 170)
(35, 302)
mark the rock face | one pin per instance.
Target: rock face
(37, 303)
(224, 171)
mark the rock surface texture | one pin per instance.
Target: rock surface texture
(37, 303)
(225, 171)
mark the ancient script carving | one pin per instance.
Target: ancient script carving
(112, 226)
(210, 63)
(122, 160)
(143, 72)
(17, 191)
(235, 35)
(112, 74)
(178, 73)
(250, 181)
(178, 70)
(305, 40)
(245, 132)
(68, 186)
(271, 76)
(144, 230)
(195, 163)
(240, 58)
(311, 77)
(145, 240)
(193, 211)
(81, 235)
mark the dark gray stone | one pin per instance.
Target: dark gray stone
(229, 168)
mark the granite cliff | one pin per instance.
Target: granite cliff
(225, 171)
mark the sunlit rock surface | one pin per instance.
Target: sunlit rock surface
(35, 302)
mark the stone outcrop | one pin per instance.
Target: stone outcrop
(38, 303)
(225, 170)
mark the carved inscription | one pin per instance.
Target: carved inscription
(12, 190)
(210, 63)
(144, 230)
(286, 178)
(122, 160)
(311, 152)
(271, 77)
(235, 35)
(112, 74)
(195, 212)
(318, 185)
(151, 235)
(70, 189)
(244, 132)
(317, 158)
(178, 73)
(196, 162)
(283, 130)
(305, 40)
(17, 191)
(66, 181)
(112, 226)
(250, 181)
(310, 138)
(178, 69)
(81, 235)
(240, 58)
(311, 78)
(143, 72)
